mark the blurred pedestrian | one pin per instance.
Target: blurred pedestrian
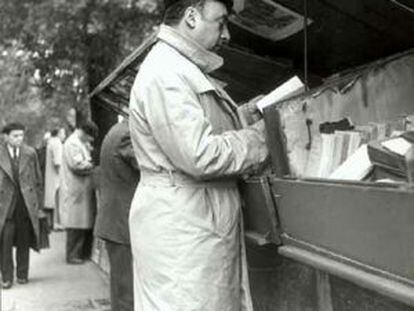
(119, 176)
(76, 195)
(41, 153)
(52, 167)
(21, 204)
(57, 216)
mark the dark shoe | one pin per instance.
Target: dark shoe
(75, 261)
(22, 281)
(6, 284)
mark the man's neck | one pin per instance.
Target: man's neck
(206, 60)
(78, 134)
(12, 147)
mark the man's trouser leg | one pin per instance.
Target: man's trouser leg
(57, 215)
(74, 244)
(87, 244)
(121, 274)
(24, 234)
(50, 217)
(6, 251)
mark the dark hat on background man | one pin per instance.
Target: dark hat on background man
(90, 128)
(12, 126)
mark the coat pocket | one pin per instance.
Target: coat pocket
(212, 209)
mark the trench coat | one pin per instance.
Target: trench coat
(76, 194)
(52, 165)
(31, 186)
(185, 218)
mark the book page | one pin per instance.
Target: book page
(290, 87)
(397, 145)
(356, 167)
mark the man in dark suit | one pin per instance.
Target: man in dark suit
(119, 176)
(20, 204)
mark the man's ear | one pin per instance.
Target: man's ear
(190, 17)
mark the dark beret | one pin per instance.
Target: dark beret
(12, 126)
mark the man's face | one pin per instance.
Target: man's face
(62, 134)
(210, 28)
(15, 138)
(71, 117)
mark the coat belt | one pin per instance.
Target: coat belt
(173, 178)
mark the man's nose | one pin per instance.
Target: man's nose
(225, 34)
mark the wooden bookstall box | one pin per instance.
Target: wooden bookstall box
(358, 230)
(259, 213)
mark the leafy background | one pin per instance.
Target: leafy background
(54, 52)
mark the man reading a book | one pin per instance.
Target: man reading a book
(185, 222)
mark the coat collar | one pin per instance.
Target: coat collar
(24, 157)
(5, 164)
(75, 138)
(207, 61)
(5, 160)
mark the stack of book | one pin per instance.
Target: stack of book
(389, 154)
(353, 154)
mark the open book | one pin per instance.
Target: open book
(248, 113)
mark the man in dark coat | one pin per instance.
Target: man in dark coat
(119, 176)
(20, 204)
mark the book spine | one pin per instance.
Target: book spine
(409, 160)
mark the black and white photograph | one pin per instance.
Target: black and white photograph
(206, 155)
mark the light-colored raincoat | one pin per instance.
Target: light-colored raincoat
(185, 221)
(53, 162)
(76, 197)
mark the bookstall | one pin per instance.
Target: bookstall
(329, 226)
(353, 223)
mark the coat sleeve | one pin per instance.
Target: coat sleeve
(126, 152)
(38, 180)
(57, 154)
(76, 161)
(185, 135)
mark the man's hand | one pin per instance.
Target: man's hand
(86, 170)
(249, 113)
(41, 213)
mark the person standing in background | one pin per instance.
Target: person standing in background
(41, 153)
(58, 217)
(21, 204)
(118, 179)
(52, 167)
(76, 195)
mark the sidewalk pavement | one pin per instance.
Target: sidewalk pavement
(55, 286)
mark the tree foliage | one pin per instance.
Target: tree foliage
(54, 52)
